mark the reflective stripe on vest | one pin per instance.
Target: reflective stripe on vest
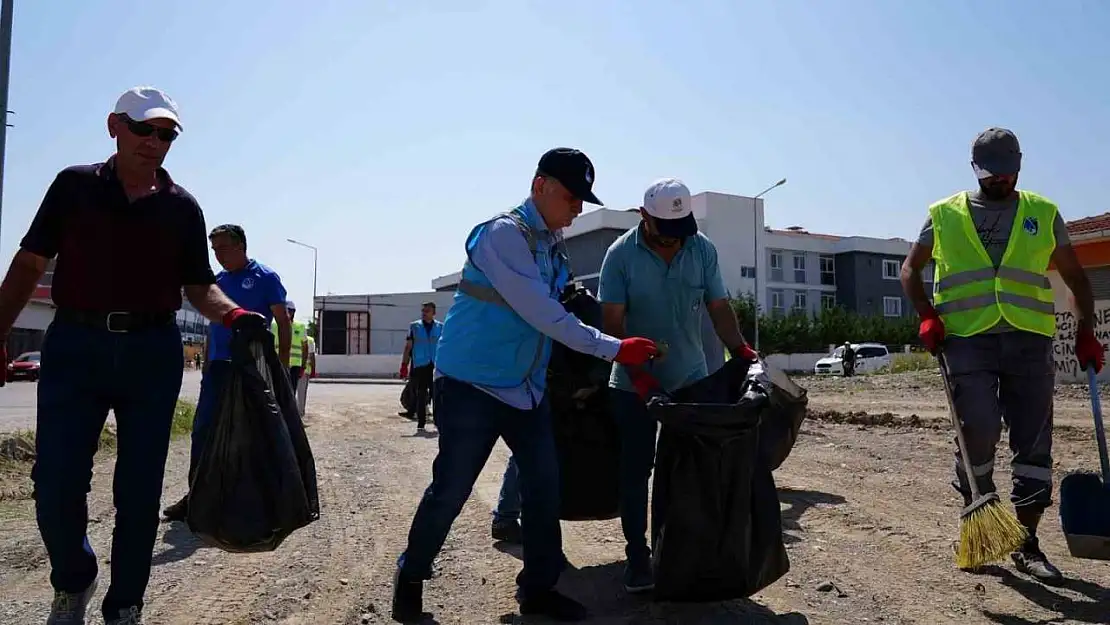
(972, 296)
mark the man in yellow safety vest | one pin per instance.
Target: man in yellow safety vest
(298, 346)
(992, 314)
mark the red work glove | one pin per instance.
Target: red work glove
(404, 371)
(644, 383)
(1089, 351)
(234, 314)
(745, 352)
(636, 351)
(931, 332)
(3, 362)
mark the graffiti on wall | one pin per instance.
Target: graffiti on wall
(1063, 347)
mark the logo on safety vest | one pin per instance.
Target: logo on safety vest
(1030, 225)
(248, 283)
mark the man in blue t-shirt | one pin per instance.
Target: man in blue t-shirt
(657, 281)
(256, 288)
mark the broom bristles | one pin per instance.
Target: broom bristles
(988, 534)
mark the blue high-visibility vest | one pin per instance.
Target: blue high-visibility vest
(424, 342)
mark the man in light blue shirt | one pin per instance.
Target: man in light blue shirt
(655, 280)
(491, 367)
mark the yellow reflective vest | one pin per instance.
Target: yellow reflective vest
(296, 355)
(972, 296)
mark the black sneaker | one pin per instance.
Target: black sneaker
(506, 531)
(552, 604)
(408, 599)
(638, 577)
(1032, 561)
(178, 511)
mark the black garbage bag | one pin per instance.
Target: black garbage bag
(781, 419)
(408, 397)
(586, 436)
(256, 479)
(716, 523)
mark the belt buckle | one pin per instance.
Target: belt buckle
(108, 321)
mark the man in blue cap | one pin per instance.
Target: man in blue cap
(491, 369)
(655, 280)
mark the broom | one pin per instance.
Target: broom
(988, 530)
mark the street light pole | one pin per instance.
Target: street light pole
(316, 323)
(755, 251)
(6, 11)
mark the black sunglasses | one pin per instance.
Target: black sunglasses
(143, 129)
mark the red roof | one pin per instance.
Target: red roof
(1089, 224)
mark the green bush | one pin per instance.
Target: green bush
(798, 332)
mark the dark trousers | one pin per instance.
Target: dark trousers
(1007, 378)
(470, 422)
(422, 385)
(211, 388)
(295, 374)
(637, 433)
(85, 372)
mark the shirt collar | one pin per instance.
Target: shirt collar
(107, 171)
(533, 218)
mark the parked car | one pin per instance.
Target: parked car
(869, 357)
(24, 367)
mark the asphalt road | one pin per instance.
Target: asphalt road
(18, 400)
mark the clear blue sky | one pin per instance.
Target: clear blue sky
(382, 135)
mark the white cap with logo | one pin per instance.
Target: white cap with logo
(146, 103)
(668, 201)
(290, 305)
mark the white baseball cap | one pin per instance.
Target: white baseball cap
(668, 201)
(146, 103)
(290, 305)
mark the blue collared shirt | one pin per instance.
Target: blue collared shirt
(664, 302)
(503, 255)
(256, 288)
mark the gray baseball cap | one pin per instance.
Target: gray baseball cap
(996, 152)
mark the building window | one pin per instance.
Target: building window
(799, 301)
(800, 268)
(777, 306)
(828, 301)
(892, 269)
(828, 270)
(358, 333)
(747, 272)
(892, 306)
(776, 266)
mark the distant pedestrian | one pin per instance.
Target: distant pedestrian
(127, 239)
(420, 349)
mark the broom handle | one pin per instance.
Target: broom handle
(1100, 433)
(971, 481)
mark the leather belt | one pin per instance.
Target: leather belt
(119, 321)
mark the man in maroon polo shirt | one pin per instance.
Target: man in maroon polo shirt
(126, 239)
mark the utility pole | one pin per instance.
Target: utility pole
(755, 251)
(6, 11)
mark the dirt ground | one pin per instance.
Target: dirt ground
(869, 518)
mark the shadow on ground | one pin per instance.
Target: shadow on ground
(183, 544)
(797, 503)
(1092, 607)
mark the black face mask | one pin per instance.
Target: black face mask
(995, 189)
(658, 240)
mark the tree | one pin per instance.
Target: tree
(799, 332)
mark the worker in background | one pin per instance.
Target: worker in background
(491, 370)
(256, 288)
(420, 350)
(298, 344)
(848, 360)
(113, 345)
(310, 372)
(992, 315)
(655, 280)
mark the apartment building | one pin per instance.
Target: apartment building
(788, 269)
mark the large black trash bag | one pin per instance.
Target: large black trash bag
(256, 479)
(716, 523)
(408, 397)
(586, 436)
(782, 417)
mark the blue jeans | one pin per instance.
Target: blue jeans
(85, 372)
(637, 432)
(211, 389)
(469, 422)
(508, 501)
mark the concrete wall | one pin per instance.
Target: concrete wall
(794, 363)
(390, 314)
(359, 366)
(1063, 347)
(586, 251)
(35, 316)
